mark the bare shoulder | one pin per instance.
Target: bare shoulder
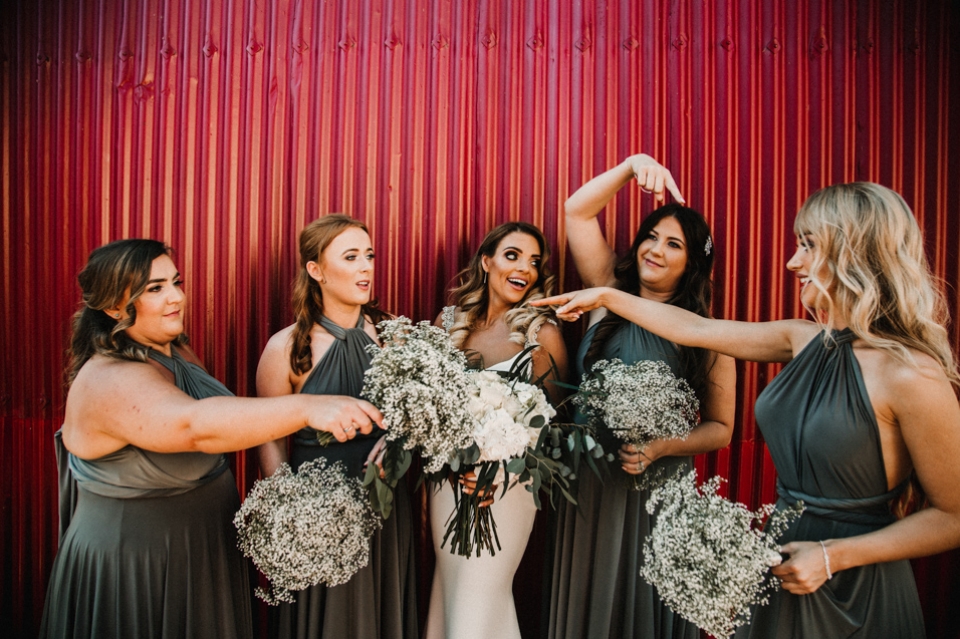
(800, 332)
(274, 375)
(103, 375)
(280, 343)
(912, 388)
(104, 394)
(921, 375)
(550, 337)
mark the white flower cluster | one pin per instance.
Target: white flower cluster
(419, 382)
(305, 528)
(639, 403)
(503, 412)
(707, 556)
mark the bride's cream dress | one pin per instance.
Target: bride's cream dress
(473, 597)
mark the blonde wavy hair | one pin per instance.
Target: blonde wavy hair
(471, 296)
(870, 247)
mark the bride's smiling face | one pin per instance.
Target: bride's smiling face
(513, 269)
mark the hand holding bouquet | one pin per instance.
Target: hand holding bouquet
(508, 417)
(639, 403)
(418, 380)
(707, 556)
(466, 423)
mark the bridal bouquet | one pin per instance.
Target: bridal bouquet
(304, 528)
(466, 424)
(707, 556)
(508, 420)
(639, 403)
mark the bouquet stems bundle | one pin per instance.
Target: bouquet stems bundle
(639, 403)
(306, 528)
(707, 556)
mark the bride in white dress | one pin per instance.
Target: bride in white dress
(473, 597)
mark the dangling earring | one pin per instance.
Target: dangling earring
(484, 278)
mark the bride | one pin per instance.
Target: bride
(491, 320)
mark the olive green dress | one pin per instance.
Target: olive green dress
(380, 600)
(148, 547)
(822, 433)
(597, 590)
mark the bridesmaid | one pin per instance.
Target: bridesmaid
(864, 410)
(597, 589)
(147, 499)
(324, 353)
(474, 597)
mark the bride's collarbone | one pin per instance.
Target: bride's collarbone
(492, 344)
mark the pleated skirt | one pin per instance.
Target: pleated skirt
(159, 567)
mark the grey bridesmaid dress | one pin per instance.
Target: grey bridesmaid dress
(822, 434)
(597, 590)
(147, 542)
(380, 599)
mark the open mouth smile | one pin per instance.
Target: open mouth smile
(517, 283)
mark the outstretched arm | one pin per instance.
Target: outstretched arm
(104, 414)
(592, 255)
(755, 341)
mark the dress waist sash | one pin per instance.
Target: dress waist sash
(868, 511)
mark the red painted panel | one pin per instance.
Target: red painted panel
(223, 126)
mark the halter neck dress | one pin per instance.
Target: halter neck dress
(147, 542)
(472, 598)
(597, 590)
(380, 599)
(821, 430)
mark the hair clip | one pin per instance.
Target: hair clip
(708, 246)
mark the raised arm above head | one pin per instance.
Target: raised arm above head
(592, 255)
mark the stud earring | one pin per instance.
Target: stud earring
(116, 315)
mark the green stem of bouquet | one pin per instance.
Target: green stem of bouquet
(471, 528)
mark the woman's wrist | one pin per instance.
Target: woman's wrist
(836, 551)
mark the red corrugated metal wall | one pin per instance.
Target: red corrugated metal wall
(222, 126)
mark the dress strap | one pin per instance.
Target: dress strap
(189, 377)
(338, 331)
(448, 317)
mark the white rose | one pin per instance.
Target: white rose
(500, 437)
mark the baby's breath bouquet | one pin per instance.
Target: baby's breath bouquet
(304, 528)
(418, 380)
(639, 403)
(707, 556)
